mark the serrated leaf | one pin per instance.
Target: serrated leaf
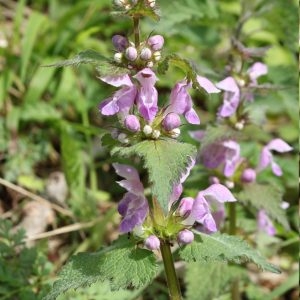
(110, 68)
(165, 161)
(218, 134)
(185, 65)
(267, 197)
(223, 247)
(122, 264)
(199, 281)
(83, 57)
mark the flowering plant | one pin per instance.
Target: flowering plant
(160, 222)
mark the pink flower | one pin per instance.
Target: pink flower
(152, 242)
(181, 102)
(147, 94)
(265, 224)
(231, 98)
(123, 99)
(200, 212)
(266, 156)
(226, 153)
(134, 206)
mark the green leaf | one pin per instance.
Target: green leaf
(185, 65)
(83, 57)
(122, 264)
(39, 112)
(223, 247)
(267, 197)
(165, 161)
(199, 281)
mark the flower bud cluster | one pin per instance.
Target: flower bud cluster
(145, 55)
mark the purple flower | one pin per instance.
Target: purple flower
(266, 156)
(132, 123)
(134, 206)
(248, 175)
(185, 237)
(256, 70)
(156, 42)
(231, 98)
(265, 224)
(123, 99)
(217, 195)
(131, 53)
(152, 242)
(181, 102)
(225, 152)
(120, 42)
(147, 94)
(171, 121)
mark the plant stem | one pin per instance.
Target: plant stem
(136, 30)
(235, 290)
(172, 280)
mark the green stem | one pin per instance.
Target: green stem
(172, 280)
(136, 30)
(235, 289)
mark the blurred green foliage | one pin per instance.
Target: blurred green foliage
(49, 118)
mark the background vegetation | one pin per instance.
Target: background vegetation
(50, 132)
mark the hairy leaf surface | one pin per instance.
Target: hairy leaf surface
(165, 161)
(122, 264)
(223, 247)
(267, 197)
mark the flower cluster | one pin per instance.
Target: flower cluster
(136, 102)
(206, 211)
(129, 4)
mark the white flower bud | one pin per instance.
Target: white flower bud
(156, 134)
(157, 55)
(174, 133)
(147, 130)
(146, 54)
(239, 125)
(150, 64)
(118, 57)
(122, 138)
(151, 3)
(229, 184)
(119, 3)
(131, 53)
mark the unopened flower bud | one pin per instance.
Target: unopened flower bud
(185, 207)
(152, 242)
(229, 184)
(151, 3)
(119, 3)
(171, 121)
(248, 175)
(185, 237)
(155, 134)
(122, 138)
(150, 64)
(118, 57)
(213, 180)
(131, 53)
(174, 133)
(132, 123)
(239, 125)
(156, 42)
(157, 55)
(145, 54)
(147, 130)
(120, 42)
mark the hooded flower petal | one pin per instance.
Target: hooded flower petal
(207, 85)
(256, 70)
(132, 183)
(266, 156)
(265, 224)
(134, 209)
(219, 193)
(181, 102)
(123, 99)
(147, 94)
(232, 157)
(231, 98)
